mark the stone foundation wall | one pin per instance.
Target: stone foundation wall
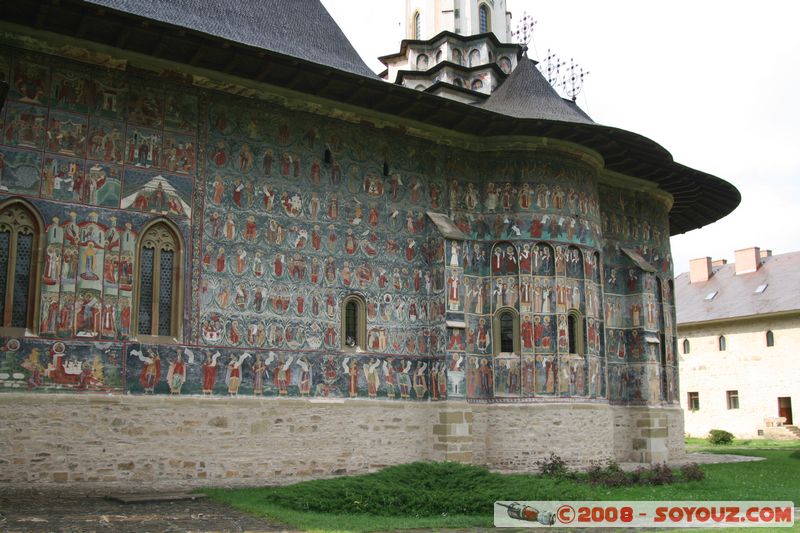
(146, 442)
(515, 436)
(162, 442)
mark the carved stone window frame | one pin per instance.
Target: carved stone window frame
(160, 234)
(20, 218)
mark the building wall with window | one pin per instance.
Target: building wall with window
(193, 241)
(750, 385)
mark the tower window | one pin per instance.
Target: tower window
(354, 323)
(158, 305)
(417, 26)
(484, 20)
(686, 346)
(723, 345)
(18, 245)
(770, 339)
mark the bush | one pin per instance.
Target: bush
(693, 472)
(719, 436)
(661, 474)
(608, 475)
(795, 454)
(552, 466)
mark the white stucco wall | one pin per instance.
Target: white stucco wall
(759, 373)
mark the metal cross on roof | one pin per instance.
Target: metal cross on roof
(566, 78)
(524, 32)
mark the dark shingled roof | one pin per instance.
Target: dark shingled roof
(296, 45)
(736, 296)
(299, 28)
(527, 94)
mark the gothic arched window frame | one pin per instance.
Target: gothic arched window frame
(358, 324)
(156, 233)
(484, 19)
(417, 25)
(20, 219)
(500, 329)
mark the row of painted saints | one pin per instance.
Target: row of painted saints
(251, 331)
(255, 193)
(288, 375)
(273, 374)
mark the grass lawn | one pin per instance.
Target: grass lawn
(702, 445)
(452, 495)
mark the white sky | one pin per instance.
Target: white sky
(713, 81)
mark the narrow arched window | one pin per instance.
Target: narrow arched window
(506, 325)
(575, 333)
(770, 339)
(458, 59)
(686, 346)
(477, 85)
(422, 62)
(722, 344)
(354, 323)
(458, 82)
(417, 26)
(19, 231)
(484, 19)
(159, 294)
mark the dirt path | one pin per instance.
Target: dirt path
(72, 513)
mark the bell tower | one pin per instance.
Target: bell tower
(426, 18)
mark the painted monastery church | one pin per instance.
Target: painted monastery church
(232, 257)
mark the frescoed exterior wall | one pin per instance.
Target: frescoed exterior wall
(279, 215)
(283, 214)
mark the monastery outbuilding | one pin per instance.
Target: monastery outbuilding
(232, 254)
(739, 328)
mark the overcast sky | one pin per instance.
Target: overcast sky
(713, 81)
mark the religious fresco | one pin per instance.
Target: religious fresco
(158, 369)
(20, 171)
(56, 366)
(283, 214)
(638, 303)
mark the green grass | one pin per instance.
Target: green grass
(697, 444)
(452, 495)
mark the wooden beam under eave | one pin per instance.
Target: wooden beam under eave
(123, 37)
(230, 63)
(41, 16)
(80, 33)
